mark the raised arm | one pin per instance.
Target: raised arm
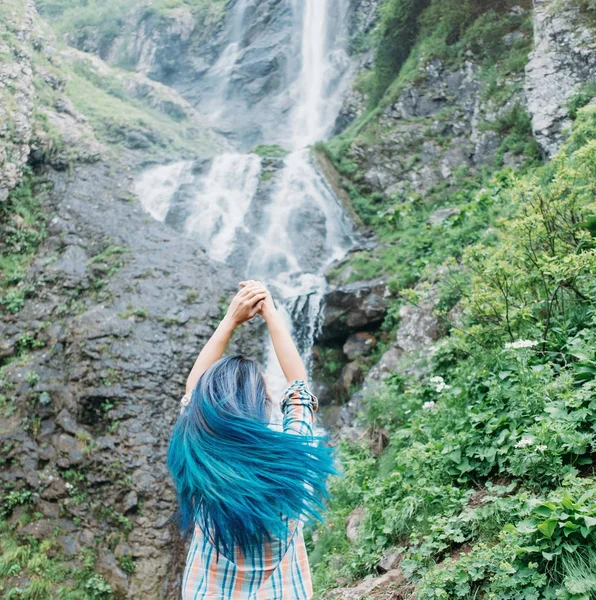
(285, 349)
(244, 306)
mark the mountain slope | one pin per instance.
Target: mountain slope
(472, 470)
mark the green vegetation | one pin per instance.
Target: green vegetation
(396, 35)
(270, 151)
(582, 97)
(121, 120)
(486, 488)
(49, 573)
(22, 229)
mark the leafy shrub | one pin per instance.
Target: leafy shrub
(398, 26)
(583, 96)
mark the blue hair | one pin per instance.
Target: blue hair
(235, 477)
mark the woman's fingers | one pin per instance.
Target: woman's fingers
(256, 309)
(255, 297)
(246, 290)
(253, 292)
(249, 282)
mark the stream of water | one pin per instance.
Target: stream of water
(283, 226)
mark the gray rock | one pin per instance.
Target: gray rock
(68, 422)
(355, 524)
(419, 326)
(107, 566)
(442, 214)
(70, 448)
(351, 374)
(359, 344)
(353, 307)
(131, 500)
(390, 561)
(68, 544)
(385, 584)
(564, 59)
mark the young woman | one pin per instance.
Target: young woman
(244, 489)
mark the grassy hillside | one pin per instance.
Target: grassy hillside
(486, 488)
(103, 21)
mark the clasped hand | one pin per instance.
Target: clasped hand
(252, 299)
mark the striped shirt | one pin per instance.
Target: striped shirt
(277, 571)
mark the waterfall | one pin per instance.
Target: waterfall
(281, 224)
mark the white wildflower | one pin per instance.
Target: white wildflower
(68, 486)
(524, 442)
(429, 405)
(440, 383)
(541, 448)
(520, 344)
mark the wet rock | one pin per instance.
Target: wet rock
(68, 544)
(68, 422)
(55, 490)
(70, 448)
(359, 344)
(131, 500)
(353, 307)
(7, 348)
(48, 509)
(107, 566)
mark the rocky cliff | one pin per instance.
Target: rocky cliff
(103, 312)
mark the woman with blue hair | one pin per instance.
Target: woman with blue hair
(245, 490)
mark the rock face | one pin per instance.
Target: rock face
(563, 60)
(16, 101)
(117, 308)
(112, 365)
(419, 330)
(27, 80)
(450, 101)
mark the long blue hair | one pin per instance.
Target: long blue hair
(235, 477)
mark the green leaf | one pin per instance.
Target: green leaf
(548, 527)
(590, 521)
(545, 509)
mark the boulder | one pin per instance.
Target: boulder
(442, 214)
(355, 524)
(359, 344)
(419, 325)
(390, 580)
(351, 374)
(353, 307)
(389, 561)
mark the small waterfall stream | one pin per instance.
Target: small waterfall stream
(281, 225)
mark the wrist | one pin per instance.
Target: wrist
(269, 313)
(229, 322)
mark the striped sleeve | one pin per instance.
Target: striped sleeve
(298, 407)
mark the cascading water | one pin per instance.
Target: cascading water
(277, 221)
